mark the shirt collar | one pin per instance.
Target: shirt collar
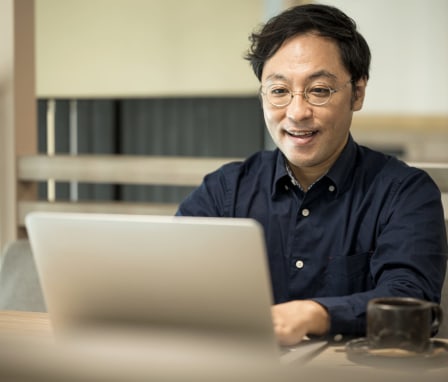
(339, 174)
(341, 171)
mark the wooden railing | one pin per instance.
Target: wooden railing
(438, 172)
(148, 170)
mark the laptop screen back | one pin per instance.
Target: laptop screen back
(174, 272)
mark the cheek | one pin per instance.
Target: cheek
(338, 116)
(267, 118)
(271, 117)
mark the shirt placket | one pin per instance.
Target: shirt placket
(303, 264)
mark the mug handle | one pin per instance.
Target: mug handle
(437, 318)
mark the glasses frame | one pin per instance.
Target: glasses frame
(304, 93)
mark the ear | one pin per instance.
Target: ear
(359, 92)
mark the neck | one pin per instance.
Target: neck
(307, 176)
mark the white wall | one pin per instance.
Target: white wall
(409, 44)
(187, 47)
(94, 48)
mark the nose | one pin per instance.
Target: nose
(299, 108)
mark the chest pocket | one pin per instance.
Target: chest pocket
(348, 274)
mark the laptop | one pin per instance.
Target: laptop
(173, 274)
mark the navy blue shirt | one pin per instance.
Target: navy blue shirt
(371, 227)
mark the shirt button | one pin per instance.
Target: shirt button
(286, 187)
(331, 188)
(299, 264)
(305, 212)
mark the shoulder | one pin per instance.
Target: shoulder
(394, 177)
(260, 162)
(217, 194)
(388, 167)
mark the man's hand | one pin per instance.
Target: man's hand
(293, 320)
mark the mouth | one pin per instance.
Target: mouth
(303, 134)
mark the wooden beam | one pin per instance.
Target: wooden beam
(437, 171)
(18, 127)
(422, 124)
(150, 170)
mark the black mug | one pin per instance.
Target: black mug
(402, 322)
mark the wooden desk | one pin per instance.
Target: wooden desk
(15, 323)
(330, 363)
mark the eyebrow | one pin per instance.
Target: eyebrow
(313, 76)
(323, 73)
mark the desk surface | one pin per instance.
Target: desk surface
(14, 324)
(25, 323)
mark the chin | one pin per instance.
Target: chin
(301, 162)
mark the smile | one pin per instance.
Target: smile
(302, 134)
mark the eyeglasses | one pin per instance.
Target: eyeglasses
(316, 95)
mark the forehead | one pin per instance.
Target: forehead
(305, 57)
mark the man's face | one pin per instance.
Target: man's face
(311, 137)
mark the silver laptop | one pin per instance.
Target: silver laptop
(201, 275)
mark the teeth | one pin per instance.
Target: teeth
(301, 133)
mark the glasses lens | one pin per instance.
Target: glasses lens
(318, 95)
(278, 95)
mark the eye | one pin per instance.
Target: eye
(278, 91)
(319, 91)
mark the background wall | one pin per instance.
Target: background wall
(409, 44)
(191, 48)
(119, 48)
(194, 48)
(91, 48)
(154, 78)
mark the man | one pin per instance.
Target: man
(343, 224)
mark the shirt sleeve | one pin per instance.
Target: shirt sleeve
(410, 257)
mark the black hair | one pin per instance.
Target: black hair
(323, 20)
